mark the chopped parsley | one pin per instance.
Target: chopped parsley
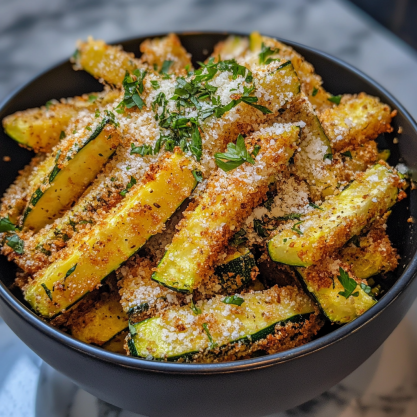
(92, 98)
(177, 128)
(315, 206)
(348, 283)
(328, 156)
(259, 228)
(155, 84)
(142, 150)
(315, 91)
(97, 113)
(133, 87)
(212, 344)
(234, 299)
(47, 290)
(48, 104)
(194, 308)
(347, 154)
(297, 229)
(69, 272)
(16, 244)
(236, 155)
(166, 65)
(238, 238)
(291, 216)
(269, 202)
(6, 225)
(131, 183)
(197, 175)
(266, 52)
(62, 135)
(335, 99)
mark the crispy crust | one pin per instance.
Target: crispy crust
(356, 120)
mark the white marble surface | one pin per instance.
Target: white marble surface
(35, 34)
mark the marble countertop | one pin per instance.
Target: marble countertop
(36, 34)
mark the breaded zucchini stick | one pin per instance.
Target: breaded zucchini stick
(224, 329)
(82, 266)
(228, 199)
(327, 228)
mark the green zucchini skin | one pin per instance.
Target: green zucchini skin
(262, 334)
(237, 269)
(258, 315)
(338, 219)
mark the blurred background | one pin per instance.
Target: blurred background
(377, 36)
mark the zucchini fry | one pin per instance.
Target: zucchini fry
(228, 200)
(356, 120)
(105, 62)
(341, 295)
(312, 162)
(14, 199)
(168, 49)
(249, 53)
(40, 129)
(102, 322)
(223, 329)
(338, 219)
(69, 170)
(83, 265)
(370, 254)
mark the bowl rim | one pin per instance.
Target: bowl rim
(336, 336)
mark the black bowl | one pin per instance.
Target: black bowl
(258, 386)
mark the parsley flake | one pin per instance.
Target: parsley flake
(315, 91)
(197, 175)
(6, 225)
(62, 135)
(131, 183)
(166, 65)
(335, 99)
(16, 244)
(328, 156)
(155, 84)
(236, 155)
(92, 98)
(234, 299)
(194, 308)
(238, 238)
(348, 283)
(267, 51)
(48, 104)
(315, 206)
(297, 229)
(142, 150)
(347, 154)
(291, 216)
(259, 228)
(132, 88)
(47, 290)
(212, 344)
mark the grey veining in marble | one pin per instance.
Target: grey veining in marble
(35, 34)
